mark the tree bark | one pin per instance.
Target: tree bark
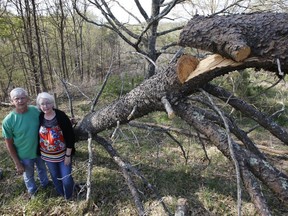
(147, 97)
(269, 175)
(264, 34)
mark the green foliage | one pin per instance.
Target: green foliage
(254, 88)
(6, 24)
(121, 84)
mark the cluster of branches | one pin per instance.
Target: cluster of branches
(253, 167)
(164, 92)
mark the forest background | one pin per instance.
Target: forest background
(50, 46)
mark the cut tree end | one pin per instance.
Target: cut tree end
(242, 54)
(210, 63)
(186, 64)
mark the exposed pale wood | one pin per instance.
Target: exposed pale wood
(89, 169)
(186, 64)
(241, 54)
(210, 63)
(168, 107)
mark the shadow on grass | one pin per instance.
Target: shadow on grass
(210, 190)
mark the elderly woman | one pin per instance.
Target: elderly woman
(57, 142)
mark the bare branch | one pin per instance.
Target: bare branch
(67, 93)
(280, 72)
(142, 11)
(168, 107)
(115, 131)
(113, 26)
(89, 168)
(232, 153)
(125, 167)
(147, 58)
(272, 116)
(254, 190)
(173, 44)
(132, 113)
(117, 159)
(264, 120)
(102, 87)
(164, 128)
(169, 31)
(127, 11)
(229, 6)
(240, 134)
(261, 168)
(77, 87)
(180, 145)
(203, 147)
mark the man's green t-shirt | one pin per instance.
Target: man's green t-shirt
(23, 129)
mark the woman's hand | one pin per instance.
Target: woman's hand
(67, 160)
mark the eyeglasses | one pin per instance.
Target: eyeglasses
(45, 104)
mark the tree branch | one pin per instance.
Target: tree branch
(262, 169)
(89, 168)
(249, 111)
(122, 165)
(232, 153)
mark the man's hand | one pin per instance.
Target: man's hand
(20, 168)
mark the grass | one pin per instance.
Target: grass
(110, 195)
(210, 189)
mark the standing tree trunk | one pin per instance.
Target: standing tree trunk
(61, 29)
(38, 43)
(152, 38)
(26, 15)
(78, 33)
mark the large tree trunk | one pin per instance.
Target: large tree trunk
(221, 35)
(240, 37)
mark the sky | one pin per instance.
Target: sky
(127, 4)
(146, 4)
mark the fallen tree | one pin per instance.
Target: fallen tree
(237, 42)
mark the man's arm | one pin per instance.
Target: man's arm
(19, 166)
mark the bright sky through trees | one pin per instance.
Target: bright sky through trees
(178, 13)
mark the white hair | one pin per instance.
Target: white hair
(18, 92)
(44, 95)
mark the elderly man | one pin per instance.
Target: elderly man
(20, 131)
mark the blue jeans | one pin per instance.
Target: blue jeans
(62, 178)
(29, 174)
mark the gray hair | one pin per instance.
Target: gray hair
(45, 95)
(17, 92)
